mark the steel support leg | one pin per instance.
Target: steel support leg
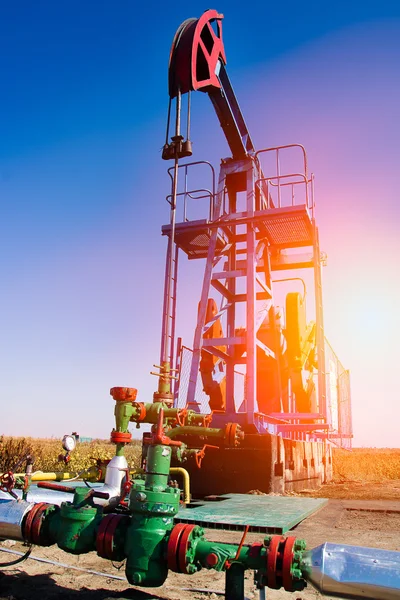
(234, 582)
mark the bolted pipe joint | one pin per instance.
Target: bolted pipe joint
(282, 566)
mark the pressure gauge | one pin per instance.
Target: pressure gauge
(68, 442)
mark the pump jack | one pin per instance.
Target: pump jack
(281, 427)
(267, 377)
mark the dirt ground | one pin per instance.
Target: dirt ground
(364, 514)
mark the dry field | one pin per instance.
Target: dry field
(46, 452)
(363, 474)
(367, 464)
(361, 466)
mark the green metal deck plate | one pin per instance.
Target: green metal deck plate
(265, 514)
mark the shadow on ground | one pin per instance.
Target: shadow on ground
(21, 586)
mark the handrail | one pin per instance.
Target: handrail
(277, 148)
(187, 192)
(305, 181)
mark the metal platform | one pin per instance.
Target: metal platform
(285, 227)
(265, 514)
(193, 238)
(288, 227)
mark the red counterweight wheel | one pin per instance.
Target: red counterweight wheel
(105, 546)
(33, 525)
(279, 563)
(178, 546)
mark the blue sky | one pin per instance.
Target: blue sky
(82, 190)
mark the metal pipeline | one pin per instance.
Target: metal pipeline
(176, 432)
(51, 476)
(55, 497)
(39, 495)
(333, 569)
(353, 571)
(116, 472)
(12, 514)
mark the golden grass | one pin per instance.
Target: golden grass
(366, 464)
(46, 451)
(361, 464)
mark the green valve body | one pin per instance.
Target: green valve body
(74, 526)
(153, 505)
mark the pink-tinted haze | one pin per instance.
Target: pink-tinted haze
(340, 97)
(82, 259)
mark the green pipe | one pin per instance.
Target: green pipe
(120, 450)
(152, 410)
(196, 431)
(157, 466)
(57, 476)
(227, 552)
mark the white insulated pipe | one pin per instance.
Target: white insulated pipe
(353, 571)
(116, 472)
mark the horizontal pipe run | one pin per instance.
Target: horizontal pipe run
(50, 476)
(196, 431)
(12, 514)
(113, 482)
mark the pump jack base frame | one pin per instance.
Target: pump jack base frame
(265, 463)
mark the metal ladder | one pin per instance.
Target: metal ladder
(169, 320)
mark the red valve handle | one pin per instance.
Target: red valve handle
(7, 482)
(71, 490)
(200, 454)
(56, 487)
(159, 436)
(95, 494)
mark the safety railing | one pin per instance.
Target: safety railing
(186, 193)
(276, 186)
(338, 399)
(182, 386)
